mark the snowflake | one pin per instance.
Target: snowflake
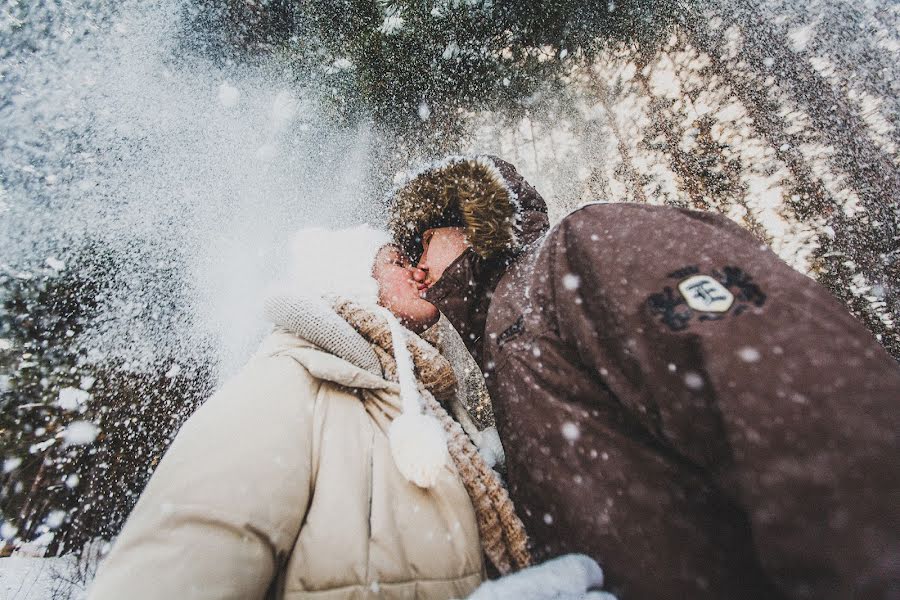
(392, 24)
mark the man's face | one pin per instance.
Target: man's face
(440, 247)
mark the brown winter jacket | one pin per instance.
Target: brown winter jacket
(680, 404)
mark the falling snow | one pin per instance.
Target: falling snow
(693, 380)
(229, 95)
(72, 398)
(80, 433)
(571, 431)
(192, 174)
(571, 281)
(749, 355)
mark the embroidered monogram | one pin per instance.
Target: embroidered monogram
(702, 292)
(670, 308)
(728, 292)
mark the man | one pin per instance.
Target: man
(674, 400)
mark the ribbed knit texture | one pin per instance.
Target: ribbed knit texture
(316, 322)
(502, 533)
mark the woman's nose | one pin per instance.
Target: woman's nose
(418, 274)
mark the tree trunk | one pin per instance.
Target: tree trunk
(628, 170)
(870, 244)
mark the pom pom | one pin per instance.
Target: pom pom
(419, 448)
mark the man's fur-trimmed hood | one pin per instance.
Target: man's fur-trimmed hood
(483, 194)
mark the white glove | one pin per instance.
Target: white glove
(567, 577)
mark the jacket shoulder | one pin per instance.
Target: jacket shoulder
(270, 378)
(631, 218)
(318, 364)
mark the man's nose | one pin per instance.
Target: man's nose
(419, 274)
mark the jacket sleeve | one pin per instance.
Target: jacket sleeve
(224, 507)
(782, 398)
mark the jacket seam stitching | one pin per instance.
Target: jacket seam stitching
(366, 584)
(371, 477)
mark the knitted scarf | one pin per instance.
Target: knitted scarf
(502, 533)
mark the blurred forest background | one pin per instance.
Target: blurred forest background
(783, 116)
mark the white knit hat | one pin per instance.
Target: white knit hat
(336, 263)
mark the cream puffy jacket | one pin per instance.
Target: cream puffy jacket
(282, 485)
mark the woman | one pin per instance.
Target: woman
(326, 468)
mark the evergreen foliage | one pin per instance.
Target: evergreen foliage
(61, 490)
(419, 64)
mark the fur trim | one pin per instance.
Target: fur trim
(459, 191)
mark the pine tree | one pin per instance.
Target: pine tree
(79, 438)
(414, 65)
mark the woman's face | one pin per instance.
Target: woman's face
(399, 293)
